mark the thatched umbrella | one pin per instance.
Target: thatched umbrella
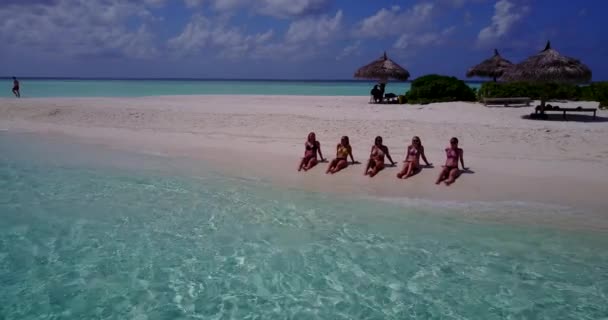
(493, 67)
(382, 69)
(548, 66)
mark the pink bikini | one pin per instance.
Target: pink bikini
(452, 158)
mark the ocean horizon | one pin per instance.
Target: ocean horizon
(40, 87)
(213, 79)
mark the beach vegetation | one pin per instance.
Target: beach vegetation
(597, 91)
(437, 88)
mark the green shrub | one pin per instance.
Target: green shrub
(508, 90)
(534, 91)
(436, 88)
(561, 91)
(597, 91)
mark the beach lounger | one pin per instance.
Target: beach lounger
(376, 100)
(391, 98)
(507, 101)
(564, 111)
(388, 98)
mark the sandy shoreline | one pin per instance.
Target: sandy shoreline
(513, 159)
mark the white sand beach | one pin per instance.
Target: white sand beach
(512, 159)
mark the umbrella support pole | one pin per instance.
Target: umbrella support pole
(542, 109)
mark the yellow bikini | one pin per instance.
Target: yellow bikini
(343, 151)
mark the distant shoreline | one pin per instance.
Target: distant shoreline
(214, 79)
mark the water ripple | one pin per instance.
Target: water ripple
(81, 243)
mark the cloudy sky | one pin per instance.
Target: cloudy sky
(287, 39)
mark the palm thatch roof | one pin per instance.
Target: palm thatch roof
(493, 67)
(549, 66)
(383, 69)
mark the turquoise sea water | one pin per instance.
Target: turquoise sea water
(87, 233)
(138, 88)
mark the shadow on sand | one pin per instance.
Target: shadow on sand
(571, 117)
(418, 170)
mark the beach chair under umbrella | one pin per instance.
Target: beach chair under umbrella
(548, 66)
(382, 70)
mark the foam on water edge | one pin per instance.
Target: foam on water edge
(85, 237)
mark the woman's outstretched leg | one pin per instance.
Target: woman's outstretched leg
(370, 166)
(403, 171)
(377, 168)
(311, 163)
(331, 166)
(414, 168)
(410, 169)
(341, 164)
(302, 164)
(442, 176)
(454, 173)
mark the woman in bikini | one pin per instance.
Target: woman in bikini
(450, 171)
(376, 158)
(343, 150)
(412, 159)
(311, 148)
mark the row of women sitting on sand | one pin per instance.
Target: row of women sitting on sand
(375, 164)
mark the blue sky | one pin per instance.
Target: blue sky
(287, 39)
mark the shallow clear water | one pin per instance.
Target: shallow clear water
(137, 88)
(88, 233)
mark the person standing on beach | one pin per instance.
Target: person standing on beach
(450, 171)
(16, 88)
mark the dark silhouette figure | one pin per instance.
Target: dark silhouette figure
(382, 88)
(376, 94)
(16, 88)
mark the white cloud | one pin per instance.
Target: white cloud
(506, 16)
(350, 50)
(193, 3)
(202, 33)
(78, 28)
(155, 3)
(228, 4)
(409, 40)
(292, 8)
(461, 3)
(262, 38)
(395, 21)
(194, 37)
(318, 29)
(411, 28)
(276, 8)
(301, 40)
